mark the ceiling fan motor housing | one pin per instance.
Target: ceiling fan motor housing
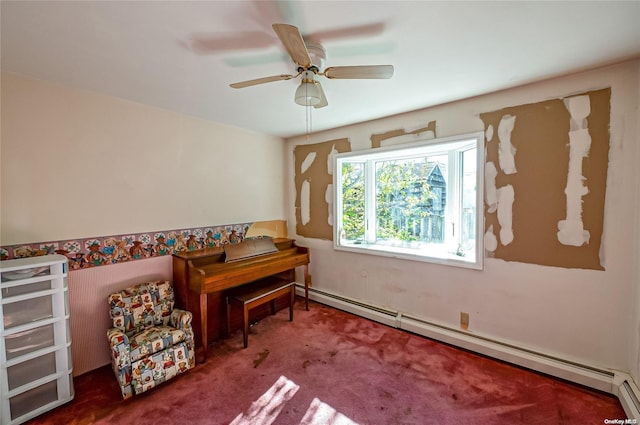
(308, 76)
(317, 53)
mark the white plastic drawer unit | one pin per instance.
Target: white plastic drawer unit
(35, 339)
(28, 341)
(27, 311)
(31, 370)
(24, 403)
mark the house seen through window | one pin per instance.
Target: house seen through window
(419, 201)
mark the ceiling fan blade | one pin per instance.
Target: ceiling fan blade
(323, 98)
(257, 59)
(293, 42)
(358, 72)
(373, 48)
(206, 43)
(357, 31)
(263, 80)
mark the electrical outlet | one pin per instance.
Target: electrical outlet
(464, 320)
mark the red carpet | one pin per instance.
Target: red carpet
(330, 367)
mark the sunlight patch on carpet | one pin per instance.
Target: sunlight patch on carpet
(320, 413)
(265, 410)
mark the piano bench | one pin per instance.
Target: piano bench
(257, 294)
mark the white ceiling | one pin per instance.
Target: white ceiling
(182, 55)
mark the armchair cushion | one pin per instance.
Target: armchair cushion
(150, 341)
(154, 339)
(141, 306)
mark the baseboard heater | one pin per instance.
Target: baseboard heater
(629, 396)
(617, 383)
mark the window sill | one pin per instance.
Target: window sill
(443, 258)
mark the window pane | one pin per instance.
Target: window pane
(353, 201)
(437, 204)
(410, 201)
(468, 225)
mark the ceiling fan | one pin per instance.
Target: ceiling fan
(309, 58)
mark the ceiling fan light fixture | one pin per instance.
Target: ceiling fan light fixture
(308, 93)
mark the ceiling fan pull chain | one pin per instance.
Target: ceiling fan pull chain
(310, 119)
(307, 112)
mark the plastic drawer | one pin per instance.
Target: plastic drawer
(12, 291)
(27, 311)
(25, 273)
(31, 400)
(31, 370)
(28, 341)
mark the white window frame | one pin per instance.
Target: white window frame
(454, 198)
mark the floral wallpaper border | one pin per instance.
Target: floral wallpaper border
(101, 251)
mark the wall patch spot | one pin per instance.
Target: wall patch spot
(491, 193)
(328, 197)
(488, 133)
(490, 240)
(505, 214)
(506, 154)
(401, 135)
(305, 202)
(571, 230)
(307, 162)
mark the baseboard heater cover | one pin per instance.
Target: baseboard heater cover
(551, 365)
(368, 311)
(593, 377)
(628, 394)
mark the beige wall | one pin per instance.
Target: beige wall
(587, 316)
(77, 164)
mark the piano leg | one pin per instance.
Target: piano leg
(203, 326)
(245, 332)
(292, 300)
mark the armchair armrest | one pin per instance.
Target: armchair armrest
(120, 355)
(181, 319)
(117, 337)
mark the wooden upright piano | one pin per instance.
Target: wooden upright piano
(201, 277)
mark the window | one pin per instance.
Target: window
(419, 201)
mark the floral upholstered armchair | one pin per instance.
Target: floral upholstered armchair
(151, 342)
